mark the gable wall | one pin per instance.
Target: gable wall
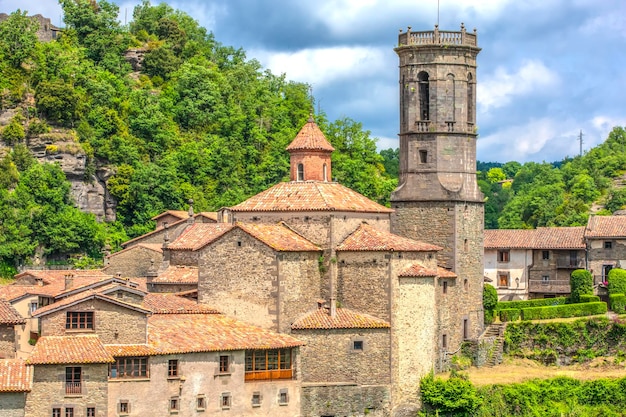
(133, 262)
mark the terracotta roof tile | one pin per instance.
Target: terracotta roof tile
(310, 137)
(198, 235)
(155, 231)
(208, 214)
(368, 238)
(69, 349)
(167, 303)
(180, 333)
(417, 270)
(181, 214)
(278, 237)
(130, 350)
(8, 315)
(445, 273)
(310, 196)
(344, 319)
(606, 226)
(540, 238)
(82, 297)
(155, 247)
(15, 375)
(178, 274)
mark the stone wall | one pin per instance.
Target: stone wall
(12, 404)
(48, 391)
(132, 262)
(599, 256)
(112, 323)
(184, 257)
(345, 400)
(7, 341)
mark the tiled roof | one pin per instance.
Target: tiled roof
(8, 315)
(181, 214)
(15, 375)
(100, 286)
(130, 350)
(445, 273)
(82, 297)
(198, 235)
(606, 226)
(310, 137)
(540, 238)
(69, 349)
(178, 274)
(368, 238)
(167, 303)
(208, 214)
(155, 231)
(180, 333)
(344, 319)
(417, 270)
(310, 196)
(278, 237)
(155, 247)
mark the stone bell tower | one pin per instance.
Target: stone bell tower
(438, 200)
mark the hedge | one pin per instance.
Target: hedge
(617, 302)
(581, 283)
(539, 302)
(562, 311)
(586, 298)
(617, 281)
(510, 314)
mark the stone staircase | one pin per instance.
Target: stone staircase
(492, 340)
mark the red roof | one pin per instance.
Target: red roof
(84, 296)
(183, 333)
(181, 214)
(278, 237)
(368, 238)
(606, 226)
(168, 303)
(178, 274)
(310, 196)
(68, 350)
(198, 235)
(417, 270)
(15, 375)
(130, 350)
(344, 319)
(8, 315)
(311, 138)
(540, 238)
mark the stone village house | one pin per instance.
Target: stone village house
(306, 299)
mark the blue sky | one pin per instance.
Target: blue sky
(548, 68)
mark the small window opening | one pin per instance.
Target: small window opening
(608, 244)
(445, 287)
(324, 172)
(444, 341)
(423, 156)
(256, 399)
(300, 172)
(545, 254)
(357, 345)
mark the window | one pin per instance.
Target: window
(123, 407)
(503, 279)
(172, 368)
(224, 364)
(424, 95)
(300, 172)
(545, 254)
(174, 404)
(466, 284)
(324, 172)
(357, 345)
(130, 367)
(72, 380)
(545, 279)
(256, 399)
(503, 256)
(268, 364)
(79, 320)
(56, 412)
(32, 307)
(283, 397)
(225, 400)
(445, 287)
(608, 245)
(465, 329)
(91, 411)
(201, 402)
(423, 156)
(470, 98)
(69, 411)
(444, 341)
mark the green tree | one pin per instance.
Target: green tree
(581, 283)
(18, 38)
(14, 132)
(455, 396)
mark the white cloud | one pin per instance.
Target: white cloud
(499, 89)
(323, 66)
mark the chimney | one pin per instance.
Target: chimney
(152, 272)
(191, 219)
(69, 281)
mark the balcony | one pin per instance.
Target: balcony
(73, 388)
(549, 286)
(570, 263)
(268, 375)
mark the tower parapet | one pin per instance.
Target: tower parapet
(438, 37)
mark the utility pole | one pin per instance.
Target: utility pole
(580, 139)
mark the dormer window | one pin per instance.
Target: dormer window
(300, 172)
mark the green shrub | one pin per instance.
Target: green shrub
(490, 297)
(539, 302)
(562, 311)
(456, 395)
(14, 132)
(581, 283)
(510, 314)
(617, 281)
(617, 302)
(37, 127)
(585, 298)
(490, 316)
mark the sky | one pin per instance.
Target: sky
(548, 69)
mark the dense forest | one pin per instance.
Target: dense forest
(200, 120)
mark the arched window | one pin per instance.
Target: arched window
(470, 98)
(324, 173)
(424, 95)
(300, 172)
(451, 93)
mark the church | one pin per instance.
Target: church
(357, 301)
